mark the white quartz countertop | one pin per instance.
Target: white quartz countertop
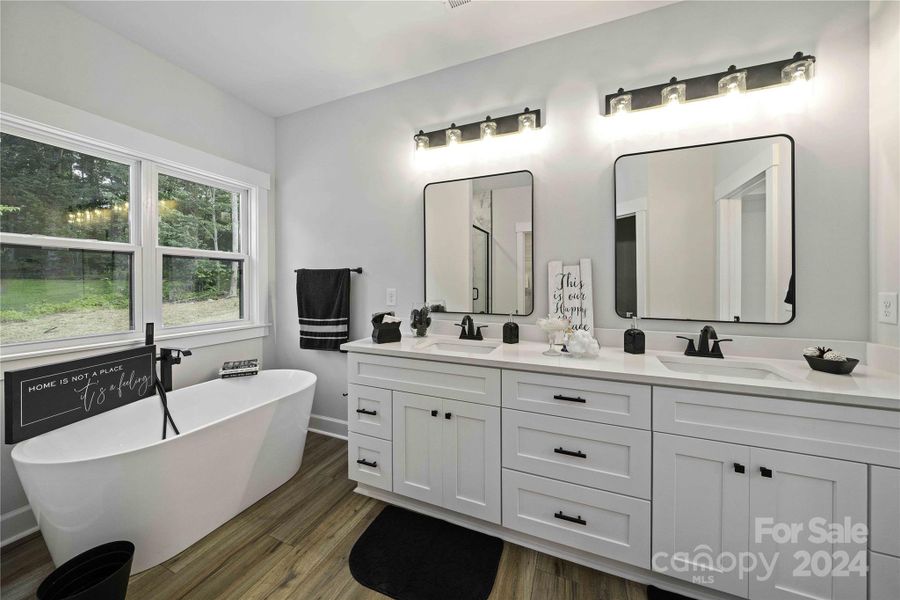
(795, 380)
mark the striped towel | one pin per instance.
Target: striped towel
(323, 308)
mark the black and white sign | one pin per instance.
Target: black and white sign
(45, 398)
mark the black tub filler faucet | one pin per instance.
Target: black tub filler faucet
(167, 358)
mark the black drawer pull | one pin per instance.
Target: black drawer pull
(363, 411)
(739, 468)
(363, 461)
(577, 519)
(577, 453)
(765, 472)
(569, 398)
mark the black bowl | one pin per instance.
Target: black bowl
(837, 367)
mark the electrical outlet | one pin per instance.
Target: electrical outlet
(887, 307)
(391, 297)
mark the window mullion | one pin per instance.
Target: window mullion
(152, 274)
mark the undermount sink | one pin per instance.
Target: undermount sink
(721, 368)
(465, 347)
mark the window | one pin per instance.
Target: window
(96, 242)
(200, 240)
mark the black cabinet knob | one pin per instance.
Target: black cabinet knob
(739, 468)
(434, 413)
(765, 472)
(447, 416)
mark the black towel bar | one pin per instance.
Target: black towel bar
(356, 270)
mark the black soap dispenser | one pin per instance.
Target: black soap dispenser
(634, 338)
(510, 332)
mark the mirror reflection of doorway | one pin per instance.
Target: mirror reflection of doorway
(481, 260)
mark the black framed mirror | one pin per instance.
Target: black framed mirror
(479, 244)
(706, 232)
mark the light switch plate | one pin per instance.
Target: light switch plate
(391, 297)
(887, 307)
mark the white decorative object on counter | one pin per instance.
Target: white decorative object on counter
(811, 351)
(833, 355)
(581, 343)
(553, 326)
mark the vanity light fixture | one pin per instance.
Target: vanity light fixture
(798, 68)
(487, 129)
(454, 135)
(733, 83)
(422, 140)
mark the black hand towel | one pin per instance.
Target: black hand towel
(323, 305)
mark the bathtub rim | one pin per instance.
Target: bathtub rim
(16, 452)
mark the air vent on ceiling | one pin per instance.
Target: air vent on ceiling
(456, 3)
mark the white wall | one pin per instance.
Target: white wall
(884, 163)
(350, 188)
(58, 54)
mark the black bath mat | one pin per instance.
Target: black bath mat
(409, 556)
(654, 593)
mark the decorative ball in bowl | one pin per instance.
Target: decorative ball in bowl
(828, 361)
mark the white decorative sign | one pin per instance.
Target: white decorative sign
(571, 293)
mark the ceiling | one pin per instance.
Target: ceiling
(282, 57)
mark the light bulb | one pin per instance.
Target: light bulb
(454, 135)
(422, 140)
(527, 121)
(799, 71)
(488, 129)
(674, 94)
(621, 104)
(733, 83)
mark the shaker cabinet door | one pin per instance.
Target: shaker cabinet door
(471, 440)
(417, 423)
(700, 509)
(807, 493)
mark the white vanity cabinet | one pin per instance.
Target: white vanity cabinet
(447, 453)
(643, 480)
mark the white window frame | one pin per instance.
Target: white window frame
(146, 285)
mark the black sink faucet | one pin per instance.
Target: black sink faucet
(167, 358)
(468, 331)
(702, 349)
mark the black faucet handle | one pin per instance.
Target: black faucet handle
(691, 349)
(478, 335)
(716, 352)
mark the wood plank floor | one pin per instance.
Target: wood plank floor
(294, 543)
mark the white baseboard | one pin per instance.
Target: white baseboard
(606, 565)
(16, 524)
(328, 426)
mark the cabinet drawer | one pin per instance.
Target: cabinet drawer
(847, 432)
(600, 456)
(369, 460)
(598, 522)
(884, 577)
(369, 411)
(884, 525)
(445, 380)
(578, 398)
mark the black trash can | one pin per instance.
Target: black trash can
(101, 573)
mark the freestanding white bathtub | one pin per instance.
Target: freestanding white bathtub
(112, 477)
